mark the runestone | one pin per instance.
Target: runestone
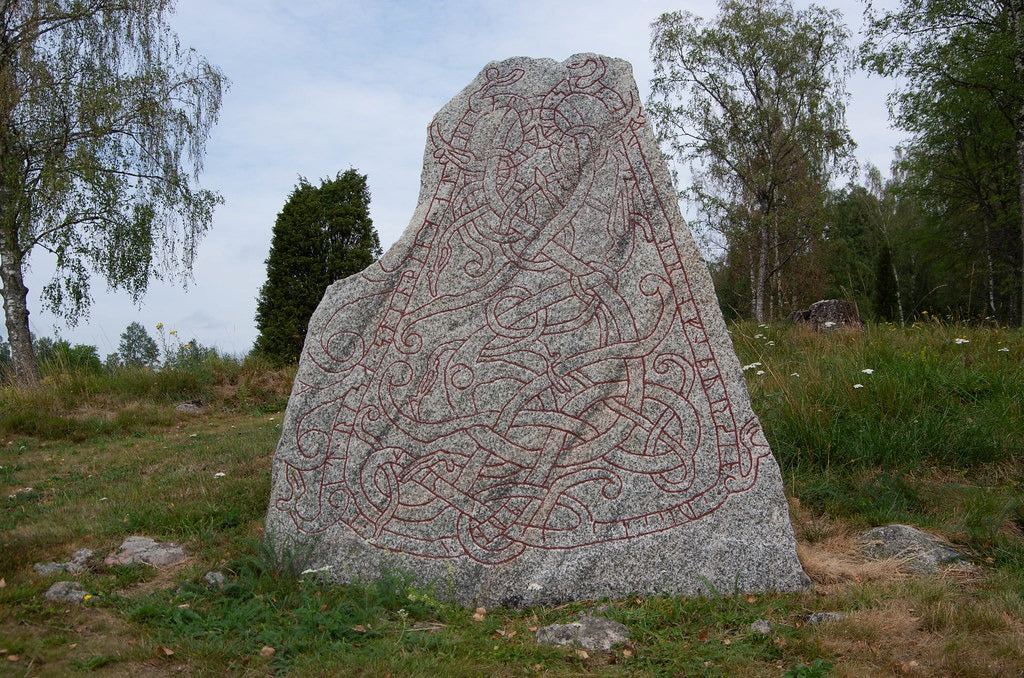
(532, 397)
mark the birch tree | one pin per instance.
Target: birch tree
(753, 104)
(104, 119)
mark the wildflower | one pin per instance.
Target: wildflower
(751, 366)
(763, 325)
(219, 474)
(924, 312)
(858, 385)
(795, 374)
(760, 372)
(1004, 349)
(87, 596)
(771, 343)
(961, 340)
(759, 336)
(159, 326)
(173, 332)
(868, 370)
(326, 569)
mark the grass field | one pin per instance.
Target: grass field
(932, 436)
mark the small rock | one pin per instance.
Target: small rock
(47, 569)
(823, 617)
(148, 551)
(65, 592)
(79, 561)
(196, 406)
(921, 552)
(590, 633)
(761, 627)
(214, 580)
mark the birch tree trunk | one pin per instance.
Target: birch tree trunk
(15, 296)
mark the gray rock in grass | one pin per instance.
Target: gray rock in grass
(920, 552)
(532, 397)
(149, 551)
(215, 580)
(79, 563)
(591, 633)
(66, 592)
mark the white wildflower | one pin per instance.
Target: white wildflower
(219, 474)
(326, 569)
(1004, 349)
(868, 370)
(858, 385)
(795, 374)
(829, 323)
(961, 340)
(771, 343)
(760, 372)
(751, 366)
(758, 336)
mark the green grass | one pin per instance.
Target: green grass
(934, 438)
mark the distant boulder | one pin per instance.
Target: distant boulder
(829, 315)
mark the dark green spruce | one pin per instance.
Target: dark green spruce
(324, 233)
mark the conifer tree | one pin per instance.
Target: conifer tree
(323, 233)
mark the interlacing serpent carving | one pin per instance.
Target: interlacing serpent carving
(540, 377)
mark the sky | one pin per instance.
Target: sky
(321, 86)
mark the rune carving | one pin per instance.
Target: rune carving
(540, 376)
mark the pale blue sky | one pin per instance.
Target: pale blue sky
(320, 86)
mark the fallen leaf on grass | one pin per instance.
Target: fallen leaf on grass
(627, 653)
(751, 599)
(3, 583)
(582, 654)
(479, 614)
(166, 650)
(703, 635)
(267, 652)
(726, 641)
(359, 628)
(13, 657)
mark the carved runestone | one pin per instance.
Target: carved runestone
(532, 396)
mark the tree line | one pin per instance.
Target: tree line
(752, 103)
(104, 119)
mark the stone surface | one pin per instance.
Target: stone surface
(824, 617)
(145, 550)
(920, 552)
(591, 633)
(761, 627)
(215, 580)
(532, 397)
(196, 406)
(830, 315)
(79, 563)
(66, 592)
